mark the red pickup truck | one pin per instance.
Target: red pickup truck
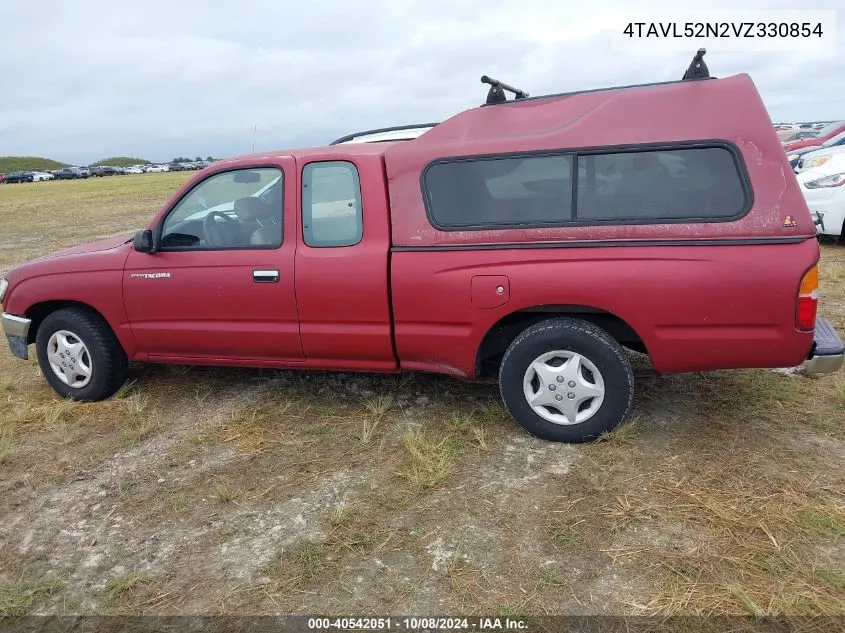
(825, 134)
(529, 239)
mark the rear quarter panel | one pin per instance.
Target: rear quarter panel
(695, 307)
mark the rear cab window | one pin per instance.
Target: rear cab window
(331, 204)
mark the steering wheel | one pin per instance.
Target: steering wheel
(213, 231)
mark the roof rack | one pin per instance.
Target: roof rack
(381, 130)
(697, 68)
(496, 94)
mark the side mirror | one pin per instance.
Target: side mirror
(144, 241)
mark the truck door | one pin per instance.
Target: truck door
(342, 264)
(221, 286)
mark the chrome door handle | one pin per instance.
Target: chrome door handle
(265, 276)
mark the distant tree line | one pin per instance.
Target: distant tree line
(36, 163)
(120, 161)
(185, 159)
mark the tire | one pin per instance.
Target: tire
(101, 354)
(564, 348)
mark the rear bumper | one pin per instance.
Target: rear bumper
(828, 350)
(17, 333)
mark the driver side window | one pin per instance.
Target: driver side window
(235, 209)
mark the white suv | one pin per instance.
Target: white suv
(823, 187)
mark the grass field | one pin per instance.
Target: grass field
(238, 491)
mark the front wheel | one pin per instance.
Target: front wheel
(566, 380)
(79, 355)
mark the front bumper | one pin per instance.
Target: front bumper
(828, 350)
(17, 333)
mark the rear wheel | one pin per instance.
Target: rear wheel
(79, 355)
(566, 380)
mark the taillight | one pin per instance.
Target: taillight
(808, 300)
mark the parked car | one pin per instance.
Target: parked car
(105, 170)
(795, 156)
(19, 177)
(133, 170)
(175, 167)
(38, 176)
(400, 133)
(482, 253)
(823, 187)
(799, 135)
(813, 156)
(155, 169)
(820, 136)
(70, 173)
(85, 171)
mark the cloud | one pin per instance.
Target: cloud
(156, 78)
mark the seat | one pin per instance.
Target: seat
(259, 221)
(267, 235)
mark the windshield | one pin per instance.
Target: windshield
(801, 135)
(200, 203)
(827, 129)
(834, 140)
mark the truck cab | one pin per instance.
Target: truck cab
(265, 260)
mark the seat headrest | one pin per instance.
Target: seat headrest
(251, 208)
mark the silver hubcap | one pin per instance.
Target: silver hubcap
(69, 359)
(563, 387)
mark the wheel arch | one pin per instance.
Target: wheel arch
(37, 312)
(502, 333)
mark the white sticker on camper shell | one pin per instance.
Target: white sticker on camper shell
(725, 30)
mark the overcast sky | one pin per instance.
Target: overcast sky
(155, 79)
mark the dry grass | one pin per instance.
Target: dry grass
(257, 424)
(121, 594)
(7, 446)
(354, 529)
(17, 597)
(52, 215)
(376, 407)
(723, 532)
(432, 458)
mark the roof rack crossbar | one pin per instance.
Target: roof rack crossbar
(496, 94)
(380, 130)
